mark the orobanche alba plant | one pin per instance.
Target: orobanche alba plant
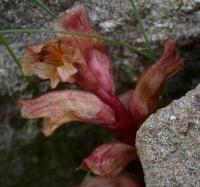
(85, 61)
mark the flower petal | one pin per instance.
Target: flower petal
(52, 60)
(145, 97)
(120, 181)
(66, 72)
(109, 159)
(74, 19)
(61, 107)
(98, 73)
(42, 70)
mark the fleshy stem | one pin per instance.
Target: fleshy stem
(104, 38)
(17, 62)
(141, 25)
(125, 129)
(45, 8)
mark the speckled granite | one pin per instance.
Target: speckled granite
(168, 144)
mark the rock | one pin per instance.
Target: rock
(168, 144)
(11, 78)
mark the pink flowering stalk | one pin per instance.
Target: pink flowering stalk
(86, 62)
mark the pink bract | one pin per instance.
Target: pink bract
(109, 159)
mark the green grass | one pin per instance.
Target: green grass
(41, 4)
(10, 51)
(137, 16)
(104, 38)
(4, 42)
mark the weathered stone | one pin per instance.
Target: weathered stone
(11, 78)
(168, 144)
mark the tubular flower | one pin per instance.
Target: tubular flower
(109, 159)
(145, 98)
(85, 61)
(71, 58)
(59, 107)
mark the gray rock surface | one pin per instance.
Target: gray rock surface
(168, 144)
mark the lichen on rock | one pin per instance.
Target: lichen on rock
(168, 143)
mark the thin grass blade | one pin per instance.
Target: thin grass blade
(137, 16)
(17, 62)
(41, 4)
(104, 38)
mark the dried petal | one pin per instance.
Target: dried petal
(98, 73)
(76, 19)
(42, 70)
(120, 181)
(61, 107)
(52, 60)
(109, 159)
(145, 97)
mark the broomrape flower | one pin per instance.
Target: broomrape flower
(86, 62)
